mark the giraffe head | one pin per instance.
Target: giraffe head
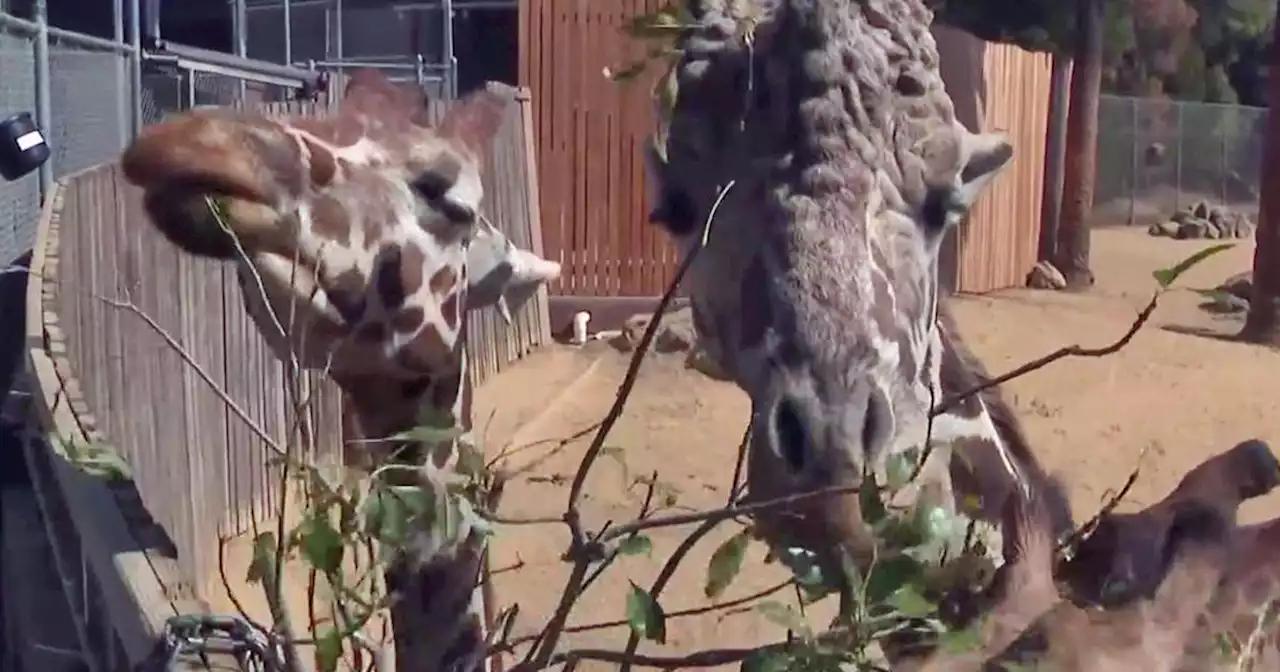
(364, 225)
(817, 288)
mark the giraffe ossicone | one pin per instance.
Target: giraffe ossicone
(360, 246)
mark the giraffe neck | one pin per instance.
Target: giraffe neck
(993, 457)
(439, 587)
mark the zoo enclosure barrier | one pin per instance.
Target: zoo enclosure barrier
(408, 41)
(1158, 156)
(136, 346)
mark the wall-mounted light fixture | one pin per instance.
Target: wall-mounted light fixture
(22, 146)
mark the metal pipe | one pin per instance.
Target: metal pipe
(337, 44)
(153, 20)
(288, 33)
(134, 29)
(446, 8)
(123, 123)
(230, 62)
(240, 40)
(44, 102)
(372, 64)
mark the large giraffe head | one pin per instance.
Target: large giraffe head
(817, 289)
(363, 225)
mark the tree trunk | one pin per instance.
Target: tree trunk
(1055, 157)
(1263, 322)
(1082, 145)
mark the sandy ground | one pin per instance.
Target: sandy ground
(1175, 391)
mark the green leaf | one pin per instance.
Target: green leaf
(636, 545)
(328, 651)
(890, 575)
(909, 601)
(471, 462)
(429, 435)
(264, 557)
(963, 640)
(767, 661)
(627, 73)
(725, 564)
(391, 510)
(645, 615)
(1167, 276)
(784, 616)
(899, 468)
(320, 543)
(470, 519)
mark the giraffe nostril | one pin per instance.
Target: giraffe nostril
(789, 434)
(875, 422)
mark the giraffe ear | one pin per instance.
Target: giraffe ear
(982, 157)
(501, 275)
(474, 120)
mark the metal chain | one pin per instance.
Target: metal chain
(203, 634)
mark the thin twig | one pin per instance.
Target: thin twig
(949, 402)
(541, 653)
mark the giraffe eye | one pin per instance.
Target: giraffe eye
(432, 185)
(941, 208)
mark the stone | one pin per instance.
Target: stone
(1243, 227)
(1226, 304)
(1167, 229)
(1044, 276)
(1192, 229)
(1212, 231)
(1200, 210)
(701, 361)
(1217, 217)
(1239, 285)
(1182, 217)
(675, 334)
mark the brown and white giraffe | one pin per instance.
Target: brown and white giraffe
(1149, 590)
(822, 130)
(364, 227)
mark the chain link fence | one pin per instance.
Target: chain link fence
(1156, 157)
(19, 200)
(90, 96)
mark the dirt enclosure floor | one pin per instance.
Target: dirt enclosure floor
(1175, 391)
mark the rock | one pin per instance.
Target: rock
(699, 360)
(1044, 276)
(1167, 229)
(1217, 217)
(675, 334)
(1226, 304)
(1192, 229)
(1182, 217)
(1243, 227)
(1212, 231)
(1239, 285)
(1200, 210)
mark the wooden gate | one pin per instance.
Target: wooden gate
(588, 132)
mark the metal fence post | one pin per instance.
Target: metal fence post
(1222, 164)
(1136, 166)
(1177, 174)
(288, 32)
(450, 62)
(125, 122)
(44, 104)
(135, 62)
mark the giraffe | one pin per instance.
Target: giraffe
(1188, 573)
(364, 226)
(820, 134)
